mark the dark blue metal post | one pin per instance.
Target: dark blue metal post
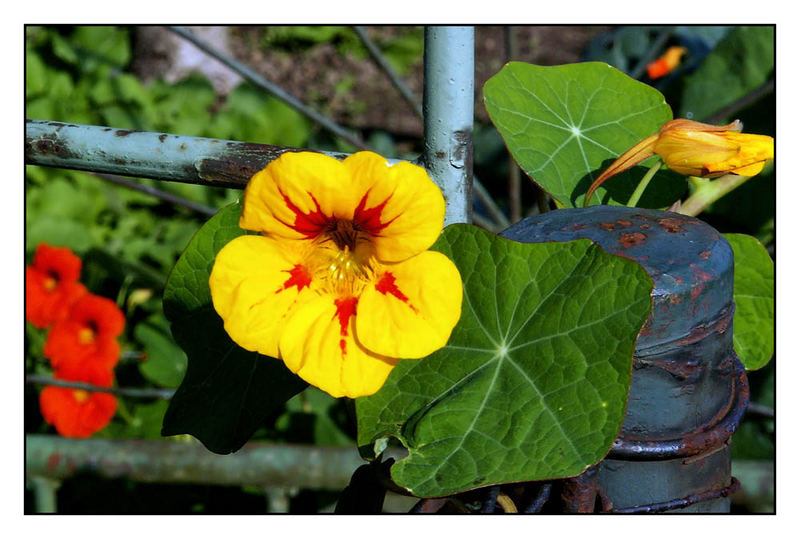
(688, 390)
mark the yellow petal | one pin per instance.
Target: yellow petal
(753, 151)
(297, 195)
(255, 283)
(319, 345)
(400, 207)
(411, 307)
(693, 152)
(749, 170)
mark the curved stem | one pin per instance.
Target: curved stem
(637, 194)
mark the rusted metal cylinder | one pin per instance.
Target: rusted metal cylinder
(688, 388)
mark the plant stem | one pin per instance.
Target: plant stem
(707, 192)
(643, 185)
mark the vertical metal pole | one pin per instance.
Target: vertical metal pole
(448, 107)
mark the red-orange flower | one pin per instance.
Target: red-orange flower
(78, 413)
(666, 63)
(87, 338)
(51, 285)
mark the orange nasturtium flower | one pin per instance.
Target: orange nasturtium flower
(87, 338)
(340, 284)
(78, 413)
(51, 285)
(666, 63)
(697, 149)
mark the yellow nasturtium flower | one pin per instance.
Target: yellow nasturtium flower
(340, 283)
(697, 149)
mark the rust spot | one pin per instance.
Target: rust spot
(623, 223)
(644, 226)
(705, 254)
(183, 146)
(607, 226)
(576, 226)
(671, 224)
(696, 290)
(631, 239)
(440, 155)
(700, 274)
(123, 132)
(162, 137)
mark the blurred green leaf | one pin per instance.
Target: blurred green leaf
(754, 296)
(35, 74)
(165, 361)
(533, 383)
(256, 117)
(741, 62)
(227, 392)
(565, 124)
(103, 48)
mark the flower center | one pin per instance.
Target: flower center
(80, 395)
(50, 282)
(341, 260)
(86, 335)
(343, 233)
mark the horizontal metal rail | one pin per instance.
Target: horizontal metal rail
(142, 154)
(176, 461)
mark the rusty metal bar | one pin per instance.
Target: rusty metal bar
(176, 461)
(695, 443)
(142, 154)
(681, 503)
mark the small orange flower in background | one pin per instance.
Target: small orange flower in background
(51, 285)
(78, 413)
(81, 341)
(87, 337)
(340, 284)
(666, 63)
(697, 149)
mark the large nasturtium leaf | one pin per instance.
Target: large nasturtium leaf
(533, 383)
(742, 62)
(227, 392)
(754, 297)
(565, 124)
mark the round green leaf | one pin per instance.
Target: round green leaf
(565, 124)
(533, 383)
(754, 297)
(227, 392)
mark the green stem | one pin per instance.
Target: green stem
(637, 194)
(705, 193)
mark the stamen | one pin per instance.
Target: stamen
(80, 395)
(85, 335)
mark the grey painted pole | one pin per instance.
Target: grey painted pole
(448, 106)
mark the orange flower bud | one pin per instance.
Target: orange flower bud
(697, 149)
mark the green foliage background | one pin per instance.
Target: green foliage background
(129, 241)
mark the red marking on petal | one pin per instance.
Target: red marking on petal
(387, 285)
(298, 276)
(369, 220)
(345, 308)
(310, 224)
